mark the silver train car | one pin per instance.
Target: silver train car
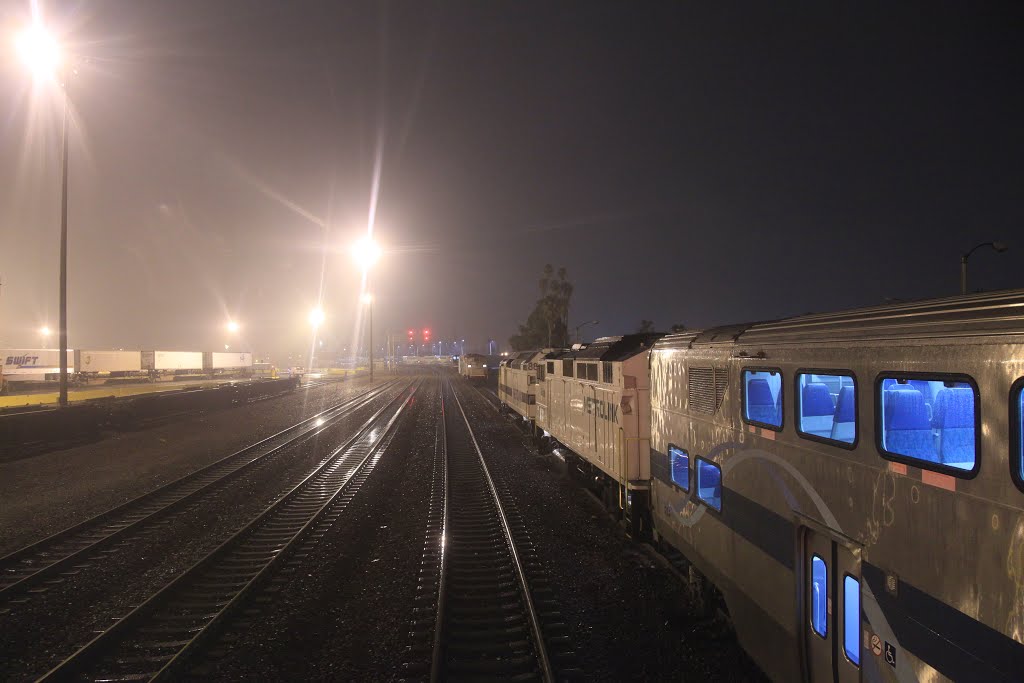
(852, 486)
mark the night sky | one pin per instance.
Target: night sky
(700, 163)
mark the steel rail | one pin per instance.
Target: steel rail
(103, 644)
(436, 659)
(91, 535)
(537, 636)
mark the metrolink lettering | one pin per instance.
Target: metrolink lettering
(603, 409)
(21, 360)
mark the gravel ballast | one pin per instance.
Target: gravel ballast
(342, 609)
(633, 619)
(49, 492)
(344, 614)
(145, 561)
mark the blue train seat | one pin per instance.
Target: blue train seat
(954, 418)
(925, 387)
(816, 409)
(844, 428)
(907, 430)
(709, 484)
(887, 399)
(761, 406)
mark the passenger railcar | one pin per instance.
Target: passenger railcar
(596, 402)
(853, 486)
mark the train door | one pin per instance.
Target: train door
(831, 615)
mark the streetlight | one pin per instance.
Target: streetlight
(232, 326)
(316, 317)
(999, 248)
(39, 51)
(45, 332)
(576, 334)
(368, 301)
(365, 253)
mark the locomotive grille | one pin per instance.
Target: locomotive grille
(706, 389)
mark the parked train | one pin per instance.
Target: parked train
(474, 366)
(43, 365)
(849, 485)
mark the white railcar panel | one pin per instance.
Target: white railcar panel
(177, 360)
(31, 364)
(109, 361)
(607, 424)
(230, 360)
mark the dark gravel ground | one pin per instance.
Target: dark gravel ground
(345, 614)
(48, 492)
(34, 639)
(632, 615)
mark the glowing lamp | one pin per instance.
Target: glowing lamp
(38, 50)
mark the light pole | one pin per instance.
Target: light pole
(999, 248)
(316, 319)
(39, 51)
(365, 253)
(368, 300)
(576, 334)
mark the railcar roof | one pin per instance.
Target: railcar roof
(616, 348)
(989, 314)
(520, 358)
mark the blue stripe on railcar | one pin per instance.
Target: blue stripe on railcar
(955, 644)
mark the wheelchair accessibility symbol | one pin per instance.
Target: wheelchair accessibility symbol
(890, 655)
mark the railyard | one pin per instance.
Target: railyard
(308, 546)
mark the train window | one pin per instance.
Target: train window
(762, 398)
(607, 372)
(851, 619)
(551, 366)
(567, 368)
(592, 371)
(679, 462)
(826, 407)
(1017, 427)
(709, 483)
(819, 596)
(929, 421)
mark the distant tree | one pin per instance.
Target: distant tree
(677, 327)
(548, 322)
(645, 326)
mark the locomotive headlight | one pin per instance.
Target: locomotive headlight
(485, 365)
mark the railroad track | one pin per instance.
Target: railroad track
(155, 639)
(483, 612)
(48, 562)
(489, 397)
